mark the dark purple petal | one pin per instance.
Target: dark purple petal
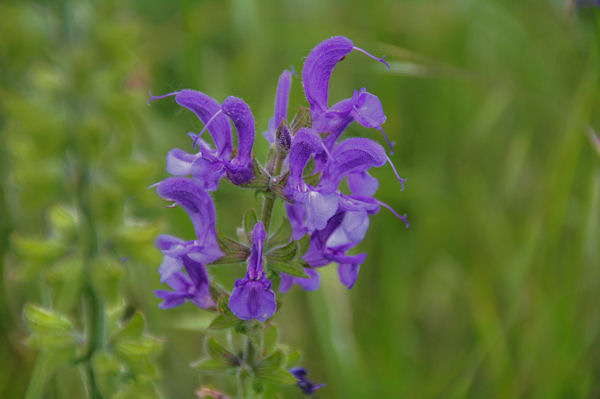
(311, 283)
(281, 104)
(362, 184)
(252, 300)
(318, 68)
(306, 142)
(196, 202)
(348, 274)
(201, 293)
(205, 108)
(241, 116)
(307, 386)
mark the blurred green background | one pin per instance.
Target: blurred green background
(494, 291)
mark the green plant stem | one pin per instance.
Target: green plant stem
(274, 165)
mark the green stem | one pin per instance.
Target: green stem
(274, 165)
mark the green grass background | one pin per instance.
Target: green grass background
(493, 292)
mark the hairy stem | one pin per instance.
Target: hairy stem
(274, 164)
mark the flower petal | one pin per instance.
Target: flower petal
(362, 184)
(253, 300)
(281, 104)
(306, 142)
(207, 173)
(311, 283)
(297, 216)
(169, 267)
(348, 274)
(318, 68)
(179, 162)
(241, 116)
(255, 266)
(351, 232)
(319, 209)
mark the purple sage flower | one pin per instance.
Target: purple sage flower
(304, 383)
(363, 107)
(208, 165)
(281, 105)
(195, 287)
(308, 284)
(252, 296)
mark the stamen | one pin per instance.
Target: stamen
(293, 71)
(382, 59)
(212, 118)
(400, 179)
(390, 143)
(152, 98)
(153, 185)
(401, 217)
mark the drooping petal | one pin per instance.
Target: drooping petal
(207, 173)
(172, 246)
(351, 232)
(320, 208)
(171, 299)
(281, 104)
(205, 108)
(169, 267)
(311, 283)
(200, 295)
(352, 155)
(306, 142)
(318, 68)
(348, 274)
(362, 184)
(296, 214)
(179, 162)
(241, 116)
(199, 206)
(252, 300)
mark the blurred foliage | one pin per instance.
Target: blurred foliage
(493, 291)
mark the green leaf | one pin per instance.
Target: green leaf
(292, 358)
(283, 253)
(63, 220)
(134, 328)
(281, 236)
(218, 352)
(303, 245)
(210, 364)
(270, 363)
(235, 252)
(301, 119)
(42, 320)
(250, 220)
(270, 336)
(293, 268)
(279, 377)
(37, 248)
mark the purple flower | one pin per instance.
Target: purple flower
(308, 284)
(304, 383)
(209, 164)
(195, 287)
(281, 105)
(363, 107)
(252, 296)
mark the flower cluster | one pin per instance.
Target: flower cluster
(307, 163)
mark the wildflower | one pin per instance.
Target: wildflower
(363, 107)
(252, 296)
(281, 105)
(195, 287)
(209, 165)
(304, 383)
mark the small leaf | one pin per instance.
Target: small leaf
(283, 253)
(293, 268)
(42, 320)
(301, 119)
(292, 358)
(37, 248)
(279, 377)
(303, 245)
(223, 321)
(63, 220)
(281, 236)
(270, 363)
(270, 336)
(134, 328)
(313, 180)
(250, 220)
(218, 352)
(235, 252)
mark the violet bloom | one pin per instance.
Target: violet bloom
(201, 210)
(363, 107)
(252, 296)
(351, 158)
(308, 284)
(209, 164)
(195, 287)
(281, 105)
(307, 386)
